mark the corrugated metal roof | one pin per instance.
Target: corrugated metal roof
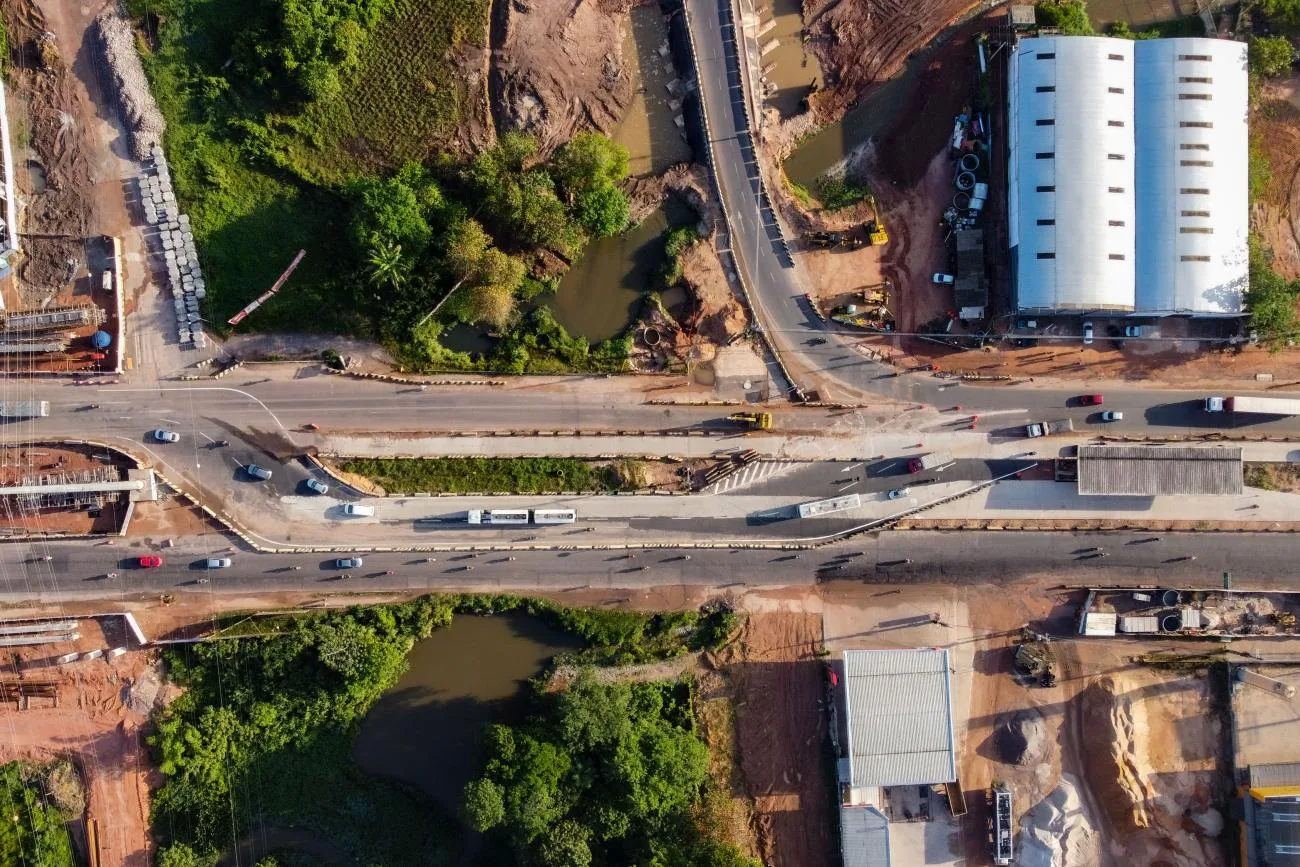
(1275, 776)
(864, 837)
(1153, 471)
(1100, 623)
(899, 708)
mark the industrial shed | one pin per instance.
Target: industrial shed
(1126, 170)
(1158, 471)
(864, 837)
(899, 709)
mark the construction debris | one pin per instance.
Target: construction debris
(137, 103)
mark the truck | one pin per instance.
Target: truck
(752, 420)
(1260, 405)
(932, 461)
(1049, 428)
(24, 408)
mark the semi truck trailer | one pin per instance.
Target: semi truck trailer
(1259, 405)
(24, 408)
(932, 461)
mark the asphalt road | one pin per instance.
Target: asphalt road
(79, 569)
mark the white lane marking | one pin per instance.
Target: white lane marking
(850, 469)
(169, 420)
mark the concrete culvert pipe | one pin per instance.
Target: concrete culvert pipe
(965, 181)
(650, 336)
(1170, 598)
(970, 162)
(961, 201)
(1171, 623)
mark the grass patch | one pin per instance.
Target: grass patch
(504, 475)
(1273, 477)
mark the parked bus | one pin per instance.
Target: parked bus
(498, 516)
(554, 516)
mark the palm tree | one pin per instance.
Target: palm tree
(387, 265)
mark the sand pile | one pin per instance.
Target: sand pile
(1021, 738)
(1057, 832)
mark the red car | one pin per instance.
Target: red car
(150, 562)
(1091, 400)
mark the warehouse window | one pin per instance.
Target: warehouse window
(1194, 191)
(1193, 258)
(1196, 213)
(1047, 255)
(1114, 123)
(1198, 124)
(1195, 230)
(1045, 122)
(1202, 163)
(1114, 57)
(1047, 222)
(1116, 257)
(1047, 55)
(1115, 189)
(1204, 96)
(1116, 223)
(1193, 147)
(1045, 88)
(1194, 57)
(1187, 79)
(1046, 189)
(1114, 156)
(1045, 155)
(1115, 89)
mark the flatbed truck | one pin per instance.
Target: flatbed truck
(932, 461)
(1049, 428)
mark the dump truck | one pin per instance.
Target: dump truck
(752, 420)
(932, 461)
(1258, 405)
(24, 408)
(1049, 428)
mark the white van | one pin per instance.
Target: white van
(359, 510)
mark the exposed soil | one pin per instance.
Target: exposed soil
(916, 247)
(1275, 129)
(781, 730)
(862, 42)
(55, 219)
(560, 69)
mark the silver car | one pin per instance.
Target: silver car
(219, 563)
(166, 436)
(258, 472)
(348, 563)
(318, 487)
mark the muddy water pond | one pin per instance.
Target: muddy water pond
(787, 66)
(427, 730)
(649, 130)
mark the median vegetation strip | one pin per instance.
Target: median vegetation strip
(504, 475)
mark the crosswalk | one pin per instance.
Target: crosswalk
(752, 474)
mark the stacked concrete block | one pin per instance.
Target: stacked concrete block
(174, 240)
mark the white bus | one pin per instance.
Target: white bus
(498, 516)
(554, 516)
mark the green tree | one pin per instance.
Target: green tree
(566, 845)
(1281, 13)
(1271, 299)
(387, 212)
(179, 855)
(486, 278)
(587, 162)
(387, 267)
(1068, 16)
(485, 805)
(1271, 56)
(1121, 30)
(602, 211)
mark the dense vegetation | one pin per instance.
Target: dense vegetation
(323, 126)
(34, 832)
(263, 730)
(494, 475)
(600, 775)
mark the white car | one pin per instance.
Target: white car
(318, 487)
(899, 493)
(166, 436)
(1087, 333)
(1112, 415)
(219, 563)
(359, 510)
(942, 279)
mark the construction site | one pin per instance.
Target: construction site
(57, 490)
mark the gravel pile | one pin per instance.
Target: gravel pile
(138, 107)
(176, 242)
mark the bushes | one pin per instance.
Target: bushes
(1271, 299)
(33, 832)
(837, 191)
(1068, 16)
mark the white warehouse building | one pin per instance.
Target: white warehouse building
(1127, 175)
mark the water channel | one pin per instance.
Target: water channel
(787, 66)
(426, 730)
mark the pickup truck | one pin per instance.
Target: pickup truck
(1049, 428)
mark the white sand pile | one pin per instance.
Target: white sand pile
(1057, 832)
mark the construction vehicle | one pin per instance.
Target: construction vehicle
(826, 239)
(1049, 428)
(1003, 838)
(1035, 661)
(932, 461)
(752, 420)
(876, 232)
(24, 408)
(1258, 405)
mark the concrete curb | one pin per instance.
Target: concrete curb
(406, 380)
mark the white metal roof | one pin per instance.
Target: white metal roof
(1127, 174)
(864, 837)
(1192, 202)
(1072, 172)
(899, 709)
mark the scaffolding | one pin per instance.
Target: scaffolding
(69, 499)
(53, 318)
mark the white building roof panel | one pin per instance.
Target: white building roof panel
(899, 708)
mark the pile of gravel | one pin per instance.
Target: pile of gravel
(132, 87)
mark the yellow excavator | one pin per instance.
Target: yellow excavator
(752, 420)
(876, 232)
